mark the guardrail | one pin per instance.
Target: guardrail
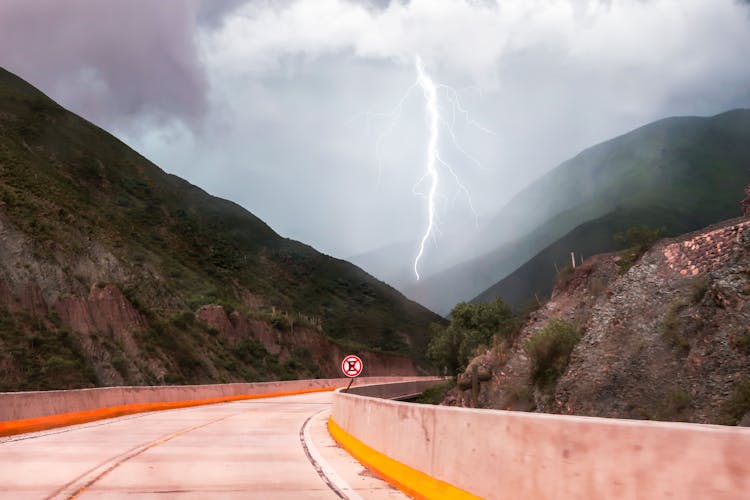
(399, 390)
(510, 455)
(18, 405)
(22, 412)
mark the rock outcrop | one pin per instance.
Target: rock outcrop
(667, 340)
(105, 310)
(302, 340)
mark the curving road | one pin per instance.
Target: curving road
(265, 448)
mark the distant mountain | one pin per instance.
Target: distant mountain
(682, 173)
(113, 271)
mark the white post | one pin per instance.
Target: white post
(573, 259)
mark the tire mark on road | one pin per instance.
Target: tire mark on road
(132, 453)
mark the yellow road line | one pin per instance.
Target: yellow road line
(414, 483)
(12, 427)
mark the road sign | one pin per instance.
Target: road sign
(352, 366)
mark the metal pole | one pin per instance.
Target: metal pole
(351, 381)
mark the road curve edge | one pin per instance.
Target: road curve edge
(36, 424)
(411, 481)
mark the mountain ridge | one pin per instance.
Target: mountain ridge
(80, 209)
(693, 165)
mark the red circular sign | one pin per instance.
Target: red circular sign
(352, 366)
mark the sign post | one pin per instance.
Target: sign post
(351, 366)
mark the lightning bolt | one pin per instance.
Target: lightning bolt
(434, 120)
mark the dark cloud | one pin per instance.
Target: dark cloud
(280, 90)
(108, 60)
(211, 13)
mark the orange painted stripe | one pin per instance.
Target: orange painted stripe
(411, 481)
(12, 427)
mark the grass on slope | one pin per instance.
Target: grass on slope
(65, 183)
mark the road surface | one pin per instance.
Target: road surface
(265, 448)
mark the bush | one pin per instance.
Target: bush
(549, 350)
(280, 322)
(392, 341)
(184, 320)
(671, 328)
(698, 289)
(435, 394)
(472, 326)
(673, 405)
(121, 365)
(563, 276)
(734, 408)
(741, 342)
(638, 240)
(639, 237)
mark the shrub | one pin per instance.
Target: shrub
(392, 341)
(639, 237)
(734, 408)
(564, 275)
(549, 350)
(280, 322)
(184, 320)
(121, 365)
(435, 394)
(674, 404)
(671, 328)
(698, 289)
(638, 240)
(741, 341)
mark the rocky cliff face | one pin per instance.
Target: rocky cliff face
(669, 339)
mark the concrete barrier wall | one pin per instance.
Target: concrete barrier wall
(22, 405)
(511, 455)
(395, 390)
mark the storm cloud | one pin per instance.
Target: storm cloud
(280, 105)
(109, 60)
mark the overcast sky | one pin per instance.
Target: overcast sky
(284, 106)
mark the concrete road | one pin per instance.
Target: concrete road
(266, 448)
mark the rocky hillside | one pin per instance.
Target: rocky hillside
(113, 271)
(664, 335)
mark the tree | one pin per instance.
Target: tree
(472, 326)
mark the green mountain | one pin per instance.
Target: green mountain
(81, 214)
(536, 278)
(681, 173)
